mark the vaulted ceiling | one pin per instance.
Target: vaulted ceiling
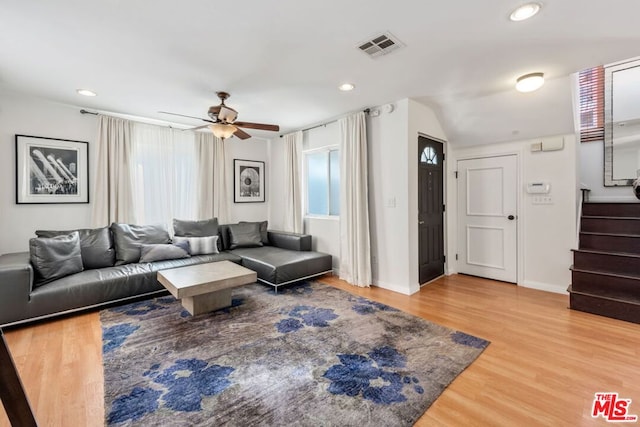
(283, 60)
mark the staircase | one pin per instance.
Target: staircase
(605, 276)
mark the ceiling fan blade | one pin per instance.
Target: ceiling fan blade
(183, 115)
(260, 126)
(199, 127)
(241, 134)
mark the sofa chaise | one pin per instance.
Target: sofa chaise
(279, 258)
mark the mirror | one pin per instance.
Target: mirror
(622, 123)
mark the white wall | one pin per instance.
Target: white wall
(249, 149)
(27, 115)
(393, 192)
(591, 158)
(547, 233)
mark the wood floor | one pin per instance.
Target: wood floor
(543, 366)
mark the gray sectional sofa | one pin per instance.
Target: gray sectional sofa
(280, 259)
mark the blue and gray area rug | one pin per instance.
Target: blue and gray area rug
(310, 355)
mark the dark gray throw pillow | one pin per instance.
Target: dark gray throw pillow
(204, 228)
(128, 238)
(96, 246)
(55, 257)
(151, 253)
(264, 235)
(244, 235)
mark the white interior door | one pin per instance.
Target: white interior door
(487, 217)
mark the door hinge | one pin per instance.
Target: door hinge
(456, 257)
(456, 172)
(443, 157)
(444, 258)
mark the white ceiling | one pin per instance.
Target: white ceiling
(283, 60)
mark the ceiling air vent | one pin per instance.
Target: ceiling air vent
(380, 45)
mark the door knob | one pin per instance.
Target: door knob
(420, 222)
(511, 217)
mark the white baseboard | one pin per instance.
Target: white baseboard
(558, 289)
(391, 287)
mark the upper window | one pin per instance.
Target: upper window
(323, 182)
(429, 156)
(591, 86)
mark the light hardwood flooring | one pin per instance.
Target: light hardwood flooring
(543, 366)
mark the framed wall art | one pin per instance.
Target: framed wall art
(50, 170)
(248, 181)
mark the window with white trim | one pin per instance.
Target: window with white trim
(322, 177)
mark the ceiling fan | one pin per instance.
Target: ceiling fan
(222, 121)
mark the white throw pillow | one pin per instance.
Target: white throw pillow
(200, 245)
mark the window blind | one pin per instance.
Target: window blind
(591, 83)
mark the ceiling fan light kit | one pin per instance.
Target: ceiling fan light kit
(530, 82)
(223, 130)
(223, 121)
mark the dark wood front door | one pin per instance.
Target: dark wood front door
(430, 209)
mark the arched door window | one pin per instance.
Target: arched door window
(429, 156)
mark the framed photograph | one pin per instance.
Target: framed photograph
(50, 170)
(248, 181)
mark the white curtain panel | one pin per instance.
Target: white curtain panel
(204, 154)
(292, 183)
(112, 189)
(165, 174)
(220, 194)
(355, 248)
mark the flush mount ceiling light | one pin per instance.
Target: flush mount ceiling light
(530, 82)
(346, 87)
(223, 130)
(525, 11)
(86, 92)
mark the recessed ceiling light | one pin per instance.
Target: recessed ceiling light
(525, 11)
(530, 82)
(346, 87)
(86, 92)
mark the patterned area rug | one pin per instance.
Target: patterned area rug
(310, 355)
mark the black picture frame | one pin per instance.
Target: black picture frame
(51, 170)
(248, 181)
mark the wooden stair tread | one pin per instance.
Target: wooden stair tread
(599, 233)
(631, 300)
(597, 252)
(610, 217)
(605, 273)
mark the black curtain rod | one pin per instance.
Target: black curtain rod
(83, 111)
(366, 111)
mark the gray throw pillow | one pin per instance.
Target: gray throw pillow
(151, 253)
(207, 227)
(264, 235)
(55, 257)
(199, 245)
(96, 246)
(128, 238)
(244, 235)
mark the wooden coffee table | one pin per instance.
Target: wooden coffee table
(205, 287)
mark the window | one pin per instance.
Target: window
(323, 182)
(429, 156)
(591, 85)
